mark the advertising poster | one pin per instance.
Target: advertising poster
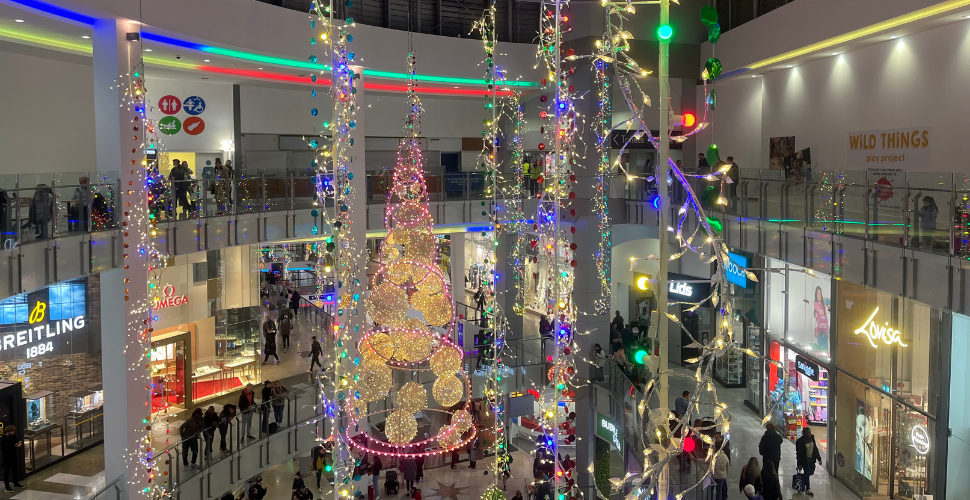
(864, 431)
(798, 165)
(890, 191)
(778, 149)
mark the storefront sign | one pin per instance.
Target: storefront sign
(169, 299)
(884, 333)
(806, 367)
(607, 430)
(734, 270)
(905, 148)
(921, 439)
(686, 288)
(38, 337)
(681, 289)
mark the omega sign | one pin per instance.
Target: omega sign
(884, 333)
(169, 299)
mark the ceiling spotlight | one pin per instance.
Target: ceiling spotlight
(259, 68)
(835, 53)
(754, 76)
(206, 60)
(18, 20)
(788, 66)
(148, 50)
(85, 36)
(893, 37)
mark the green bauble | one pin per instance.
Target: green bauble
(713, 156)
(709, 16)
(714, 33)
(713, 68)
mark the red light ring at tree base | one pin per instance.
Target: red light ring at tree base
(440, 451)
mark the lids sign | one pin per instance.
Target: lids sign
(169, 299)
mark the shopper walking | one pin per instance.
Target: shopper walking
(189, 433)
(257, 491)
(409, 469)
(315, 352)
(247, 405)
(750, 474)
(225, 416)
(279, 401)
(682, 405)
(420, 463)
(751, 493)
(472, 452)
(298, 482)
(770, 484)
(10, 452)
(721, 465)
(770, 445)
(269, 341)
(285, 327)
(294, 300)
(480, 297)
(40, 211)
(375, 470)
(806, 456)
(318, 462)
(211, 421)
(181, 177)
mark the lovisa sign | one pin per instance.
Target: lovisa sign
(169, 299)
(884, 333)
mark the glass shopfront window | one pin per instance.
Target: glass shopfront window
(958, 444)
(808, 309)
(889, 357)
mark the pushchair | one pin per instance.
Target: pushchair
(391, 484)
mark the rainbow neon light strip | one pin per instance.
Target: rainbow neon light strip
(156, 38)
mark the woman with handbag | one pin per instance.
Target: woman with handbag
(806, 455)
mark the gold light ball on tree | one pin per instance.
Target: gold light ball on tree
(400, 427)
(373, 380)
(439, 312)
(447, 390)
(446, 361)
(415, 346)
(448, 437)
(412, 397)
(381, 344)
(461, 420)
(431, 284)
(357, 407)
(387, 304)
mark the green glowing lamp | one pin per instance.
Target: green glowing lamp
(665, 32)
(640, 356)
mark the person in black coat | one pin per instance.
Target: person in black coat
(770, 484)
(770, 445)
(225, 416)
(10, 452)
(266, 398)
(211, 421)
(257, 491)
(806, 456)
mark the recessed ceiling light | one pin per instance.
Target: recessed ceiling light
(18, 20)
(457, 87)
(754, 76)
(788, 66)
(206, 60)
(148, 50)
(893, 37)
(835, 53)
(259, 68)
(85, 36)
(967, 17)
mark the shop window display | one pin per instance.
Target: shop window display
(808, 308)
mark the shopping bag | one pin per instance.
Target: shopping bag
(798, 481)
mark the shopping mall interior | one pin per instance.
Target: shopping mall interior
(655, 249)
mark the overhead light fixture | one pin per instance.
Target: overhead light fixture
(85, 36)
(148, 50)
(259, 68)
(835, 53)
(788, 66)
(893, 37)
(18, 20)
(206, 60)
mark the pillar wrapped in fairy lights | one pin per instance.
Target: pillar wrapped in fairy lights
(411, 307)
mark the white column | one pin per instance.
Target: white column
(124, 370)
(458, 262)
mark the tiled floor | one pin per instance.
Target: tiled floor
(75, 478)
(746, 432)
